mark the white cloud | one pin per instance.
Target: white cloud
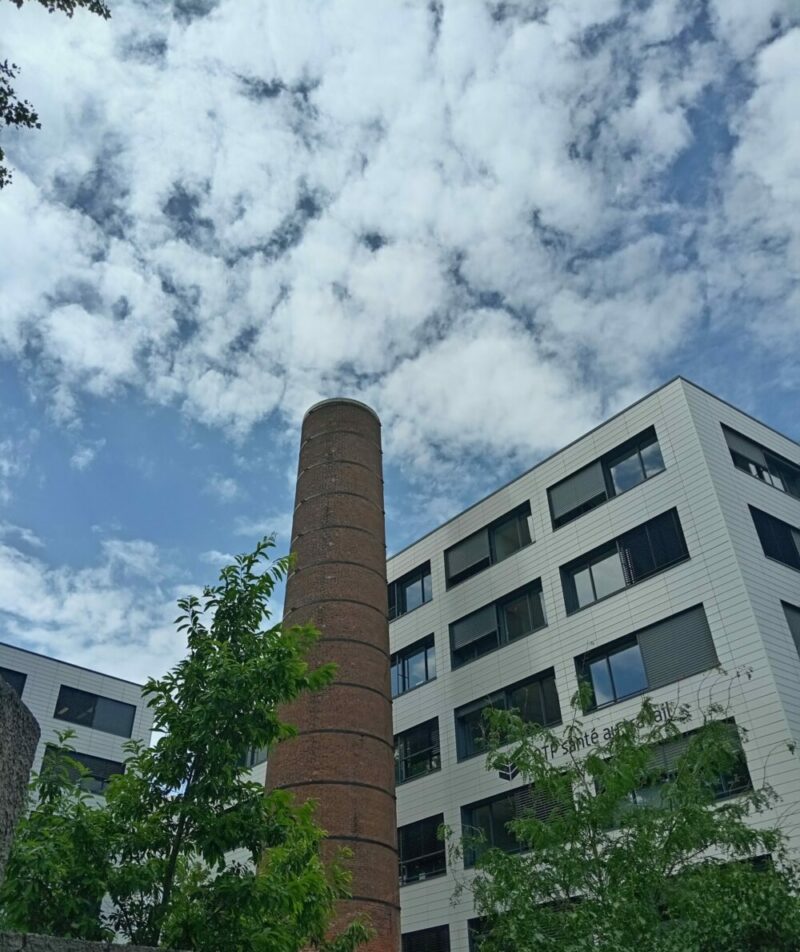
(471, 224)
(115, 616)
(216, 558)
(256, 527)
(225, 488)
(84, 454)
(15, 461)
(27, 536)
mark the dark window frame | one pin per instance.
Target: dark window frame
(398, 599)
(632, 446)
(501, 633)
(730, 784)
(92, 709)
(604, 653)
(437, 933)
(16, 680)
(524, 801)
(253, 756)
(436, 858)
(584, 662)
(501, 700)
(790, 612)
(432, 755)
(768, 528)
(622, 544)
(425, 646)
(775, 466)
(96, 782)
(520, 515)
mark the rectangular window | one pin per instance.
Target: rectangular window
(253, 757)
(614, 473)
(486, 822)
(410, 591)
(476, 929)
(413, 666)
(489, 545)
(416, 751)
(436, 939)
(514, 616)
(665, 759)
(779, 540)
(624, 561)
(667, 651)
(92, 710)
(100, 769)
(792, 613)
(758, 461)
(535, 699)
(14, 679)
(422, 853)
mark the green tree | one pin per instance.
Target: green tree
(629, 844)
(186, 802)
(58, 868)
(19, 112)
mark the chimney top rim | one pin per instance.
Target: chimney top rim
(350, 400)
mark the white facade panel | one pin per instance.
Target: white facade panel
(44, 678)
(739, 588)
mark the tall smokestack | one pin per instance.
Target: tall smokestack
(343, 756)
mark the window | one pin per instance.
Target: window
(792, 613)
(758, 461)
(422, 853)
(253, 757)
(779, 540)
(626, 560)
(92, 710)
(476, 929)
(732, 781)
(100, 769)
(617, 675)
(436, 939)
(536, 700)
(14, 679)
(660, 654)
(486, 822)
(416, 751)
(614, 473)
(410, 591)
(514, 616)
(413, 666)
(489, 545)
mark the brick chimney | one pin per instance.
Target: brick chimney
(343, 756)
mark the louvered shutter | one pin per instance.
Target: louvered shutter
(677, 647)
(748, 449)
(474, 626)
(576, 490)
(467, 554)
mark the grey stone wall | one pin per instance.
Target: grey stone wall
(13, 942)
(19, 735)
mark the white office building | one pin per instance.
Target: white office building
(648, 554)
(103, 711)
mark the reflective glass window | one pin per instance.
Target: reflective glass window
(627, 671)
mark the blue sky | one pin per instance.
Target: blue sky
(496, 222)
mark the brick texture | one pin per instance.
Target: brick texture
(343, 756)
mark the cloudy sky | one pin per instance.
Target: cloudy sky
(496, 222)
